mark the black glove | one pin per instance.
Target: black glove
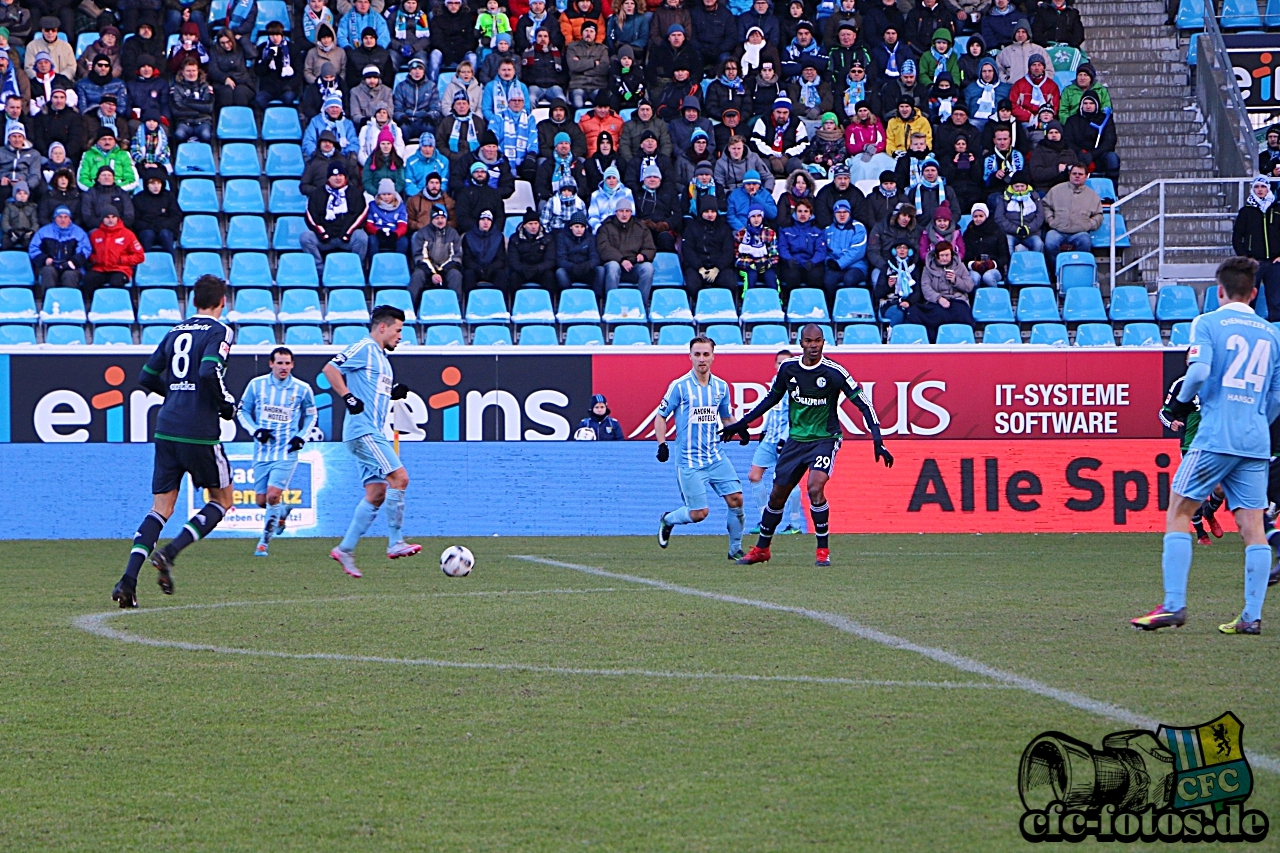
(1176, 410)
(883, 455)
(226, 410)
(739, 429)
(295, 443)
(1022, 231)
(262, 434)
(664, 452)
(354, 404)
(399, 391)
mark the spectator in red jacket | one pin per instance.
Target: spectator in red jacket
(1034, 90)
(116, 254)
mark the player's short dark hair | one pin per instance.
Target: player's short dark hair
(701, 339)
(783, 351)
(209, 291)
(281, 351)
(385, 314)
(1237, 276)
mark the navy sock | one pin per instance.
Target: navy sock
(769, 521)
(143, 541)
(196, 529)
(821, 515)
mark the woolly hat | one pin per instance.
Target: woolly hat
(612, 171)
(840, 168)
(44, 55)
(751, 177)
(698, 133)
(628, 51)
(909, 66)
(61, 210)
(486, 214)
(1054, 125)
(842, 204)
(488, 138)
(439, 210)
(980, 206)
(104, 168)
(327, 69)
(336, 169)
(1037, 57)
(888, 177)
(943, 211)
(562, 138)
(623, 203)
(12, 127)
(427, 138)
(754, 208)
(706, 203)
(331, 100)
(151, 114)
(327, 135)
(650, 171)
(478, 166)
(703, 168)
(1087, 68)
(530, 215)
(419, 62)
(675, 28)
(386, 185)
(110, 210)
(501, 37)
(829, 116)
(1021, 177)
(385, 135)
(579, 217)
(460, 95)
(782, 103)
(371, 71)
(21, 187)
(690, 102)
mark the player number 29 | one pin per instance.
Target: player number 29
(1255, 373)
(822, 462)
(182, 356)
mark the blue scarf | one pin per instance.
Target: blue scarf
(903, 269)
(734, 85)
(856, 91)
(456, 133)
(940, 185)
(809, 95)
(515, 135)
(238, 12)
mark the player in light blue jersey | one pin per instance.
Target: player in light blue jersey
(361, 375)
(776, 428)
(1234, 367)
(700, 403)
(278, 411)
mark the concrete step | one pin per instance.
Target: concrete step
(1169, 142)
(1129, 68)
(1179, 119)
(1139, 92)
(1120, 40)
(1104, 20)
(1110, 7)
(1104, 55)
(1124, 27)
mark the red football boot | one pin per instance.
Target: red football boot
(755, 555)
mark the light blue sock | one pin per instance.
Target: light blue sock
(361, 519)
(679, 516)
(269, 522)
(737, 521)
(1257, 568)
(1176, 564)
(395, 515)
(791, 514)
(760, 491)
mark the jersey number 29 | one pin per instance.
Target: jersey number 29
(181, 362)
(1255, 373)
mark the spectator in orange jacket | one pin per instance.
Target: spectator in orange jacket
(116, 254)
(579, 13)
(602, 118)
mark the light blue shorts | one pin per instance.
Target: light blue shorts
(720, 476)
(1243, 480)
(374, 457)
(766, 455)
(273, 474)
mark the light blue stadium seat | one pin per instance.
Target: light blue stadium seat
(862, 335)
(853, 305)
(1049, 334)
(487, 305)
(249, 234)
(244, 195)
(807, 305)
(584, 335)
(443, 336)
(1180, 335)
(389, 270)
(1190, 15)
(1027, 268)
(345, 336)
(201, 231)
(153, 335)
(345, 306)
(198, 195)
(491, 336)
(724, 335)
(112, 335)
(158, 308)
(511, 226)
(1076, 269)
(1102, 237)
(82, 41)
(300, 306)
(669, 306)
(627, 336)
(624, 305)
(11, 335)
(828, 335)
(539, 336)
(343, 269)
(194, 159)
(955, 333)
(17, 305)
(715, 305)
(63, 305)
(1210, 300)
(1130, 302)
(1271, 17)
(666, 270)
(579, 113)
(294, 269)
(578, 305)
(250, 336)
(253, 306)
(239, 160)
(1104, 187)
(1002, 333)
(1095, 335)
(287, 234)
(397, 298)
(761, 305)
(446, 77)
(15, 269)
(1064, 78)
(1176, 302)
(237, 123)
(111, 305)
(675, 335)
(63, 336)
(272, 10)
(1083, 305)
(284, 160)
(439, 306)
(251, 269)
(196, 264)
(772, 335)
(532, 305)
(303, 336)
(1141, 335)
(156, 271)
(908, 334)
(286, 198)
(1240, 15)
(281, 124)
(1037, 305)
(992, 305)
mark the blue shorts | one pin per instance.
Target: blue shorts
(1243, 480)
(766, 455)
(720, 476)
(374, 457)
(273, 474)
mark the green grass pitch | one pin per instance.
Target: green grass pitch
(108, 745)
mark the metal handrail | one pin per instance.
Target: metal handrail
(1222, 104)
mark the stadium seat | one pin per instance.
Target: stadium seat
(284, 160)
(343, 269)
(198, 195)
(853, 305)
(442, 336)
(345, 306)
(669, 306)
(111, 305)
(807, 305)
(196, 264)
(538, 336)
(156, 271)
(724, 335)
(439, 306)
(1083, 305)
(17, 306)
(1104, 187)
(15, 270)
(771, 335)
(251, 269)
(715, 305)
(992, 305)
(1037, 305)
(761, 305)
(521, 199)
(253, 306)
(286, 198)
(1130, 302)
(194, 159)
(112, 335)
(511, 226)
(1064, 78)
(17, 335)
(1049, 334)
(532, 305)
(442, 82)
(1240, 15)
(1210, 300)
(1141, 335)
(1076, 269)
(250, 336)
(63, 305)
(64, 335)
(623, 336)
(578, 305)
(1176, 302)
(862, 335)
(908, 334)
(249, 234)
(201, 231)
(1095, 335)
(158, 308)
(237, 123)
(1102, 237)
(287, 234)
(239, 160)
(487, 305)
(397, 298)
(83, 41)
(491, 336)
(272, 10)
(389, 269)
(1027, 268)
(955, 333)
(244, 195)
(303, 335)
(153, 335)
(675, 336)
(345, 336)
(281, 124)
(1002, 333)
(1180, 335)
(301, 306)
(623, 305)
(666, 270)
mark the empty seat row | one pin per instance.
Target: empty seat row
(240, 195)
(1129, 303)
(279, 124)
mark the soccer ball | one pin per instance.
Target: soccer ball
(457, 561)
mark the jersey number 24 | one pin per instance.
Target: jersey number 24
(1255, 372)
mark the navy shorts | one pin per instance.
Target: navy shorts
(206, 463)
(797, 457)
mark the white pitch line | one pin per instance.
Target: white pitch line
(965, 664)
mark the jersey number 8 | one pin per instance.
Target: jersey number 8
(182, 356)
(1255, 373)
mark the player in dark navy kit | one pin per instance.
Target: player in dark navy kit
(812, 385)
(187, 370)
